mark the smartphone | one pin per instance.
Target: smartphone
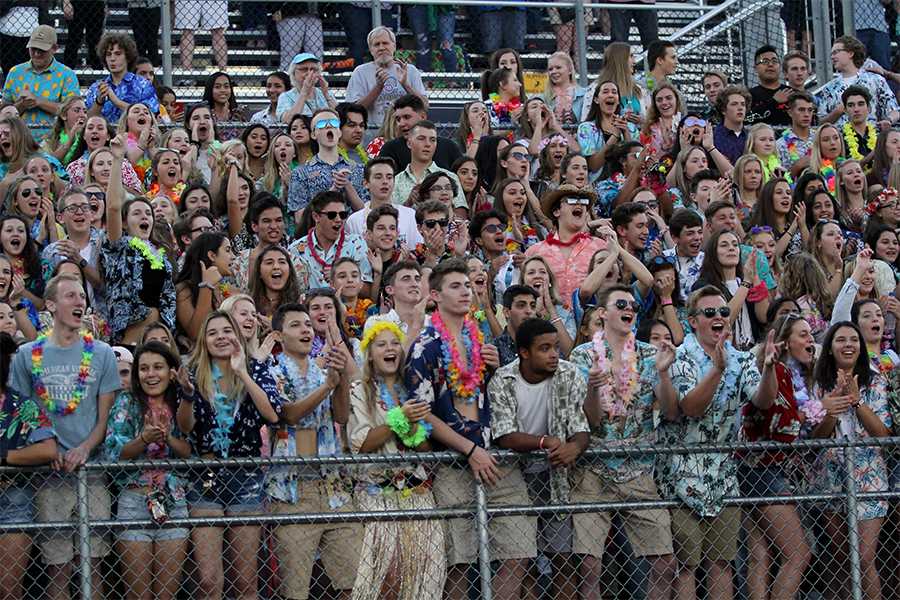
(453, 228)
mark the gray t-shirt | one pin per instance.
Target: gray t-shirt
(363, 80)
(60, 373)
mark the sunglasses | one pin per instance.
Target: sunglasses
(663, 260)
(78, 208)
(622, 304)
(577, 200)
(694, 122)
(432, 223)
(328, 123)
(492, 228)
(26, 192)
(519, 155)
(334, 214)
(709, 313)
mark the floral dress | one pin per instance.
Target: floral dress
(23, 422)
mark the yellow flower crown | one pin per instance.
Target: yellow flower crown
(376, 326)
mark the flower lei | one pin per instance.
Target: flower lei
(356, 316)
(156, 260)
(528, 233)
(882, 362)
(853, 141)
(84, 368)
(463, 382)
(810, 406)
(503, 109)
(790, 141)
(360, 152)
(617, 397)
(881, 200)
(173, 194)
(397, 421)
(828, 172)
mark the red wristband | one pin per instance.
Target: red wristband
(541, 442)
(758, 292)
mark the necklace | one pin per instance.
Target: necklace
(553, 240)
(827, 171)
(617, 397)
(37, 372)
(852, 139)
(360, 152)
(463, 382)
(156, 260)
(337, 251)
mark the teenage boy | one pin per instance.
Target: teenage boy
(315, 400)
(422, 142)
(381, 236)
(537, 406)
(625, 418)
(519, 305)
(403, 293)
(326, 170)
(631, 226)
(378, 177)
(487, 230)
(267, 223)
(713, 381)
(354, 118)
(730, 136)
(409, 110)
(686, 227)
(859, 132)
(461, 421)
(770, 97)
(795, 66)
(794, 145)
(74, 378)
(81, 244)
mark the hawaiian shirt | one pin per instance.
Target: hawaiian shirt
(570, 270)
(50, 258)
(638, 426)
(703, 481)
(405, 181)
(688, 268)
(506, 348)
(264, 117)
(23, 422)
(884, 102)
(425, 378)
(565, 418)
(293, 386)
(133, 89)
(315, 176)
(123, 268)
(791, 148)
(55, 84)
(354, 247)
(228, 429)
(287, 100)
(125, 423)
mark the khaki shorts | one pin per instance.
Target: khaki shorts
(339, 543)
(705, 538)
(56, 500)
(649, 531)
(511, 537)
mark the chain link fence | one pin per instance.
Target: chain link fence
(811, 520)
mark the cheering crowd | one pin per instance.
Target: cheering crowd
(583, 268)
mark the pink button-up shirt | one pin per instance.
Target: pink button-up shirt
(569, 271)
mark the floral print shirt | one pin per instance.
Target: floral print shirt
(884, 102)
(703, 481)
(130, 179)
(638, 425)
(23, 422)
(571, 269)
(791, 148)
(123, 268)
(228, 429)
(565, 413)
(125, 423)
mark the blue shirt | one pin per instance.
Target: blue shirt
(55, 84)
(354, 247)
(289, 98)
(426, 380)
(728, 142)
(316, 175)
(132, 89)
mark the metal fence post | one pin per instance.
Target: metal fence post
(852, 526)
(84, 534)
(376, 13)
(166, 21)
(581, 46)
(821, 41)
(484, 552)
(849, 23)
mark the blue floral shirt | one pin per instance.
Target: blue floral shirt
(703, 481)
(426, 379)
(883, 102)
(316, 175)
(354, 247)
(23, 422)
(132, 89)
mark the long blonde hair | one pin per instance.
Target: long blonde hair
(548, 87)
(51, 144)
(737, 176)
(369, 377)
(617, 68)
(804, 276)
(202, 366)
(751, 138)
(229, 304)
(88, 167)
(815, 159)
(550, 276)
(270, 170)
(840, 194)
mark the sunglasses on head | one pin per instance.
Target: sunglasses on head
(709, 313)
(327, 123)
(334, 214)
(622, 304)
(824, 222)
(519, 155)
(432, 223)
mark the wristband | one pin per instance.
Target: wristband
(556, 320)
(667, 302)
(397, 421)
(206, 284)
(541, 442)
(758, 292)
(469, 453)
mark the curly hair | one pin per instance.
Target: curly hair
(123, 41)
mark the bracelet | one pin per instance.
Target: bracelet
(206, 284)
(541, 442)
(397, 421)
(667, 302)
(556, 320)
(415, 439)
(469, 453)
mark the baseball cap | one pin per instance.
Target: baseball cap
(304, 57)
(123, 354)
(43, 38)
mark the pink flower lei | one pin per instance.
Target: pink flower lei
(616, 398)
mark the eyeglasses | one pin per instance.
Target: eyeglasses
(78, 208)
(432, 223)
(577, 200)
(663, 260)
(836, 50)
(492, 228)
(26, 192)
(519, 155)
(649, 203)
(709, 313)
(327, 123)
(760, 229)
(767, 61)
(332, 215)
(208, 229)
(694, 122)
(622, 304)
(441, 188)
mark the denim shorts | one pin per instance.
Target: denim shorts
(133, 506)
(231, 490)
(16, 505)
(769, 480)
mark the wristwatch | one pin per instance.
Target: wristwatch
(82, 263)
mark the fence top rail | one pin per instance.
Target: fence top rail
(675, 6)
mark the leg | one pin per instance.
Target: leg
(758, 560)
(565, 586)
(514, 28)
(220, 48)
(169, 557)
(14, 555)
(59, 577)
(491, 36)
(565, 37)
(290, 34)
(619, 24)
(446, 31)
(357, 21)
(209, 577)
(591, 568)
(868, 545)
(647, 24)
(243, 551)
(313, 38)
(95, 20)
(662, 576)
(835, 531)
(418, 22)
(719, 575)
(186, 48)
(137, 568)
(74, 36)
(507, 582)
(783, 527)
(686, 583)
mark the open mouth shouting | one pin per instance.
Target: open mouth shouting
(391, 358)
(16, 243)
